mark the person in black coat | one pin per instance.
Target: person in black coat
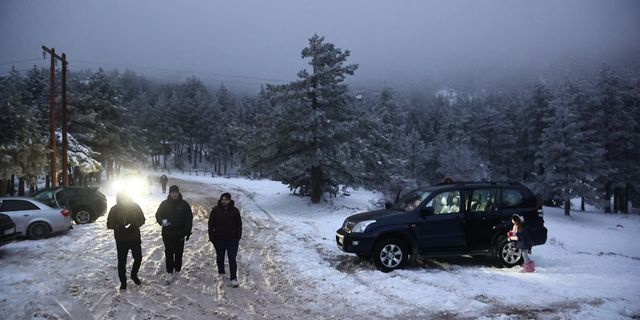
(225, 231)
(176, 218)
(126, 218)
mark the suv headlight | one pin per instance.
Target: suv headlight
(362, 225)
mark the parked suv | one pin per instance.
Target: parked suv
(467, 218)
(85, 203)
(7, 229)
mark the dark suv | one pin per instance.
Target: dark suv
(85, 203)
(467, 218)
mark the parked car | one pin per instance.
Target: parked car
(7, 229)
(85, 203)
(467, 218)
(34, 219)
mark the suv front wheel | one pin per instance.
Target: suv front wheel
(506, 252)
(390, 254)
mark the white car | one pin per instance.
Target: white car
(35, 219)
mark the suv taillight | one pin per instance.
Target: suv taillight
(65, 212)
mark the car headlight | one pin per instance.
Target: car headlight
(362, 225)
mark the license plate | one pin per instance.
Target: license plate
(10, 231)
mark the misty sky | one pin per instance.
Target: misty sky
(242, 42)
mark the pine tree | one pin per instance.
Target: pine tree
(538, 108)
(621, 140)
(311, 148)
(567, 151)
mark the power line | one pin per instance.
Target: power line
(186, 71)
(18, 61)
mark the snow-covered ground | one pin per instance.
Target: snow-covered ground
(290, 267)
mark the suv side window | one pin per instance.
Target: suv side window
(17, 205)
(483, 200)
(511, 198)
(446, 202)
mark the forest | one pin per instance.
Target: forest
(566, 139)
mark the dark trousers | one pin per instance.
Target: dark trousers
(123, 251)
(231, 248)
(164, 187)
(173, 248)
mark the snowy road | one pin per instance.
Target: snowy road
(74, 276)
(290, 268)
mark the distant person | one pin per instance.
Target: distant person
(176, 218)
(163, 182)
(519, 233)
(126, 218)
(225, 231)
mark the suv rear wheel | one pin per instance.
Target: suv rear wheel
(506, 252)
(83, 215)
(390, 254)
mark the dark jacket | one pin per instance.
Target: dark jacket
(524, 240)
(123, 213)
(178, 213)
(225, 223)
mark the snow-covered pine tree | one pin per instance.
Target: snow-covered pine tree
(109, 135)
(622, 138)
(567, 150)
(311, 146)
(537, 109)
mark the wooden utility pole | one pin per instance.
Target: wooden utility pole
(52, 117)
(65, 141)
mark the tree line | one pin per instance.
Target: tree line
(579, 139)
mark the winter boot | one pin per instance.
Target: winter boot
(136, 280)
(123, 286)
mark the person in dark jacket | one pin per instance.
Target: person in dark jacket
(163, 182)
(176, 218)
(519, 233)
(225, 231)
(126, 218)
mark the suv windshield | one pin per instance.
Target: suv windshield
(411, 200)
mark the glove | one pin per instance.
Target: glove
(510, 234)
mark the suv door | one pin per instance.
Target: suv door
(445, 228)
(481, 216)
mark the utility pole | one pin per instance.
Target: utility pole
(65, 141)
(52, 116)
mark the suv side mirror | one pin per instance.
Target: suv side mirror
(388, 205)
(426, 211)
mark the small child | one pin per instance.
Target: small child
(519, 233)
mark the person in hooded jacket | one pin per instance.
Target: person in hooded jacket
(225, 231)
(176, 218)
(520, 234)
(126, 218)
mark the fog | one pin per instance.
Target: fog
(245, 43)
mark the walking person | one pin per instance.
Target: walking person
(519, 233)
(225, 231)
(176, 218)
(126, 218)
(163, 182)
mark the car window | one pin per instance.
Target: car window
(483, 200)
(511, 198)
(411, 200)
(17, 205)
(44, 195)
(446, 202)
